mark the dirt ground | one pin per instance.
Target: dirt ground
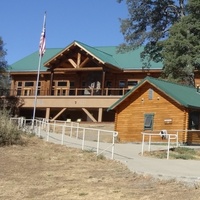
(41, 170)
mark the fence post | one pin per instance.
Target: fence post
(149, 148)
(71, 125)
(113, 145)
(54, 126)
(47, 131)
(98, 142)
(168, 146)
(39, 129)
(177, 139)
(77, 129)
(63, 132)
(83, 139)
(142, 143)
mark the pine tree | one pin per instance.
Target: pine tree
(4, 79)
(181, 51)
(148, 23)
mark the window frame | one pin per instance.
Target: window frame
(150, 94)
(148, 125)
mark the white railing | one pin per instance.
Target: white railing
(168, 137)
(64, 131)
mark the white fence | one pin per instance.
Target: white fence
(102, 141)
(168, 137)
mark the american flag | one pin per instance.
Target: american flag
(42, 44)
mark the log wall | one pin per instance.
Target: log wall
(129, 119)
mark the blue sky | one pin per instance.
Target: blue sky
(94, 22)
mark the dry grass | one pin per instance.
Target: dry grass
(183, 153)
(40, 170)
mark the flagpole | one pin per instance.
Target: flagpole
(41, 52)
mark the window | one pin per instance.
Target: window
(63, 83)
(132, 83)
(29, 84)
(108, 84)
(19, 92)
(194, 119)
(122, 84)
(150, 94)
(26, 88)
(19, 88)
(72, 84)
(19, 84)
(148, 121)
(72, 90)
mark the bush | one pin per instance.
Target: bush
(9, 133)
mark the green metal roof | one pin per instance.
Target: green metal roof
(31, 62)
(103, 56)
(128, 60)
(107, 54)
(184, 95)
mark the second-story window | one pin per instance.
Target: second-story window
(29, 84)
(131, 83)
(122, 84)
(19, 88)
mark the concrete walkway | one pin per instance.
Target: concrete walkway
(181, 170)
(129, 154)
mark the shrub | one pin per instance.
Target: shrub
(9, 133)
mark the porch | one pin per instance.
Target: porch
(90, 107)
(62, 91)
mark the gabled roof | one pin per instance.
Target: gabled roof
(106, 55)
(101, 56)
(184, 95)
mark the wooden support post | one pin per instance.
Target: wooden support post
(51, 83)
(47, 113)
(103, 82)
(100, 114)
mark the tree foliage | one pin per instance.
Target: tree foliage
(3, 63)
(4, 79)
(148, 23)
(181, 51)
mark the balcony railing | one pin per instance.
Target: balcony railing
(66, 92)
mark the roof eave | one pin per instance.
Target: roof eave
(89, 53)
(47, 63)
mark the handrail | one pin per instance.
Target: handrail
(67, 92)
(169, 137)
(47, 128)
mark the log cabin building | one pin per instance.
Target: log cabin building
(77, 82)
(155, 105)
